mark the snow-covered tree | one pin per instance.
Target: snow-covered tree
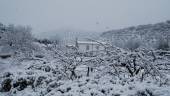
(17, 38)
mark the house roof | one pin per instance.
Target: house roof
(89, 42)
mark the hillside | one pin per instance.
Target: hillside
(147, 31)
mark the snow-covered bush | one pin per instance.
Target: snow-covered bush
(133, 44)
(163, 44)
(44, 41)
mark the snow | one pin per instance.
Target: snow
(94, 85)
(90, 42)
(52, 71)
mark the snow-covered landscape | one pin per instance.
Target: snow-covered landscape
(33, 67)
(84, 48)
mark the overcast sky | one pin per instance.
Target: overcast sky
(96, 15)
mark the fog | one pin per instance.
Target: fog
(87, 15)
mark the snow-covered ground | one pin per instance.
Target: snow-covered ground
(50, 76)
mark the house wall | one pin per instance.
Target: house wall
(92, 47)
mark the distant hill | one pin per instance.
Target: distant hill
(148, 31)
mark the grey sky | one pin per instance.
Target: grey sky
(44, 15)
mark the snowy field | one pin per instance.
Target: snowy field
(48, 76)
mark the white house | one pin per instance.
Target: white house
(89, 46)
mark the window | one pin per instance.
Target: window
(87, 47)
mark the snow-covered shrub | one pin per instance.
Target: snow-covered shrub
(44, 41)
(6, 85)
(163, 44)
(133, 44)
(145, 92)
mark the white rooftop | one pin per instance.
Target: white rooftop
(90, 42)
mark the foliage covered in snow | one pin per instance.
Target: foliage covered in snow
(54, 70)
